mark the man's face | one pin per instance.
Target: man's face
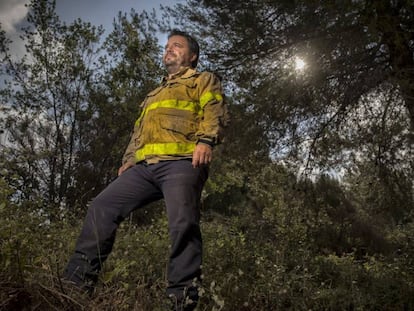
(177, 53)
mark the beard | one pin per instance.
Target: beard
(172, 63)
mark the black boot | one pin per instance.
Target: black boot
(187, 301)
(80, 274)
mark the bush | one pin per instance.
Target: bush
(266, 260)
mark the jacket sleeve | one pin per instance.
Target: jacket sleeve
(129, 155)
(215, 115)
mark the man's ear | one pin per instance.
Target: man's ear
(193, 58)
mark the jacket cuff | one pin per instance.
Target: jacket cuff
(206, 141)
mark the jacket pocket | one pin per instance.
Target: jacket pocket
(178, 128)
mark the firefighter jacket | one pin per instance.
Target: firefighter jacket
(184, 110)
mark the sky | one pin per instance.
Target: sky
(97, 12)
(102, 12)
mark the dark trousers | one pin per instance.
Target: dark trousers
(180, 185)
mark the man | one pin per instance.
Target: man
(168, 157)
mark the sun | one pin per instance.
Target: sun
(299, 64)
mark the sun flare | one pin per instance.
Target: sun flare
(299, 64)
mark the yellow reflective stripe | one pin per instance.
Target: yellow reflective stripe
(171, 103)
(206, 97)
(139, 118)
(164, 149)
(175, 104)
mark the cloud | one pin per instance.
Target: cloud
(12, 12)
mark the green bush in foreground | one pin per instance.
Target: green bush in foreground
(246, 267)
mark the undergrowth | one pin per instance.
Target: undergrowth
(241, 271)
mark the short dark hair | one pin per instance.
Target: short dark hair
(193, 44)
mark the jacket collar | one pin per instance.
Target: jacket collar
(184, 72)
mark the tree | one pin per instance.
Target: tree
(132, 68)
(72, 101)
(45, 93)
(351, 50)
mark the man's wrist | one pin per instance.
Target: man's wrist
(205, 142)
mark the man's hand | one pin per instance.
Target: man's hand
(124, 167)
(202, 154)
